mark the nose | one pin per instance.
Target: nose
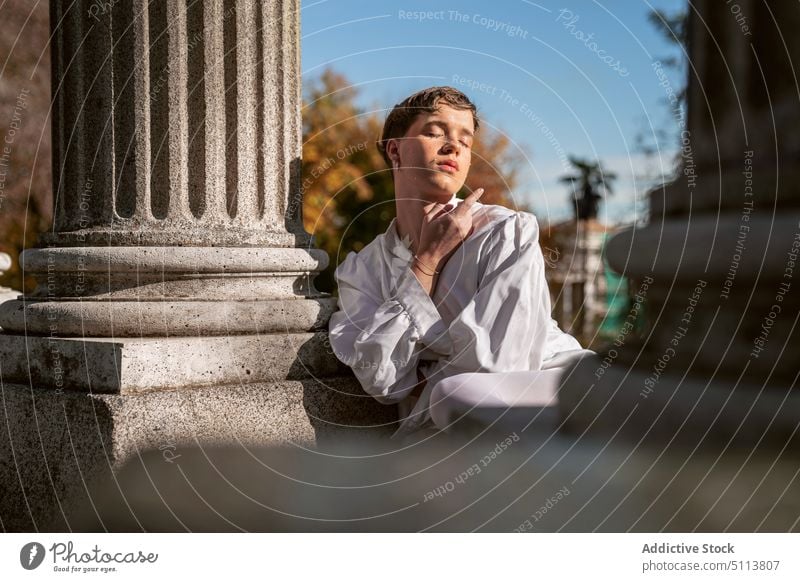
(451, 145)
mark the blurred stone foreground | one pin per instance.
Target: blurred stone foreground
(496, 482)
(171, 369)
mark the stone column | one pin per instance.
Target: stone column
(176, 153)
(175, 300)
(715, 270)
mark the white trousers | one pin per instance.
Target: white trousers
(524, 400)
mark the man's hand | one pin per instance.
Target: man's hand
(444, 229)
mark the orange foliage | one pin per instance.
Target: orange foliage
(26, 184)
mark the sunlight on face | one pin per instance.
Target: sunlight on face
(435, 154)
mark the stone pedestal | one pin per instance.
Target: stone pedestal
(175, 296)
(716, 271)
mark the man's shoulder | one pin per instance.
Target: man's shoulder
(503, 221)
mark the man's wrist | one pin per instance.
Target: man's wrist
(419, 264)
(425, 278)
(429, 261)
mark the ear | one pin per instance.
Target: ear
(393, 151)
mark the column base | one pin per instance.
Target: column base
(56, 444)
(128, 365)
(169, 291)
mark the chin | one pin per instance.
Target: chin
(446, 192)
(449, 186)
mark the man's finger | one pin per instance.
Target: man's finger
(444, 210)
(433, 209)
(471, 199)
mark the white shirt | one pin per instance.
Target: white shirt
(490, 311)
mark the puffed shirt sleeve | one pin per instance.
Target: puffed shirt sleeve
(505, 326)
(382, 339)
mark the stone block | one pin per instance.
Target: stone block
(133, 365)
(58, 444)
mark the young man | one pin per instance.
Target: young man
(447, 313)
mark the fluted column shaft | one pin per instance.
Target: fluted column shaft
(177, 122)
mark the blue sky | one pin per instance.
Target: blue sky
(559, 78)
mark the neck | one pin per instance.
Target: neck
(410, 214)
(409, 219)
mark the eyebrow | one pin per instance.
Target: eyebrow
(443, 125)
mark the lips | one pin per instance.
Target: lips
(451, 165)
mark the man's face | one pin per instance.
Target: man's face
(432, 160)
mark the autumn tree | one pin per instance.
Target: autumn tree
(26, 198)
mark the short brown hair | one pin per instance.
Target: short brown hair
(404, 113)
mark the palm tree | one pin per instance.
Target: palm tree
(590, 183)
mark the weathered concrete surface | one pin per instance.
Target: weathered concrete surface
(56, 444)
(540, 485)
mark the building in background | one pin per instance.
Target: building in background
(587, 297)
(576, 273)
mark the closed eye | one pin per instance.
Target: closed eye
(440, 135)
